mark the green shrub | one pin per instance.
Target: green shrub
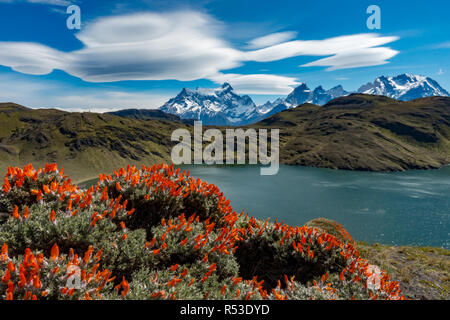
(164, 235)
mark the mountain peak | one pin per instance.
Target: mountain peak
(226, 86)
(219, 106)
(319, 88)
(223, 106)
(404, 87)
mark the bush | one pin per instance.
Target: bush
(162, 234)
(33, 276)
(333, 228)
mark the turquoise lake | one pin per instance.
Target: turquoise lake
(405, 208)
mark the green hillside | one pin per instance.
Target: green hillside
(358, 132)
(85, 143)
(362, 132)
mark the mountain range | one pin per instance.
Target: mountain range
(220, 106)
(223, 106)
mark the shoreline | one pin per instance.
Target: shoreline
(82, 181)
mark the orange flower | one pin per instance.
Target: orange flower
(174, 267)
(15, 213)
(213, 267)
(6, 186)
(46, 189)
(26, 213)
(37, 282)
(53, 216)
(11, 266)
(69, 206)
(98, 255)
(6, 277)
(87, 255)
(55, 252)
(223, 290)
(27, 295)
(125, 286)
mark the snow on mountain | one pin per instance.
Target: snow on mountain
(404, 87)
(321, 96)
(300, 95)
(303, 94)
(223, 106)
(220, 106)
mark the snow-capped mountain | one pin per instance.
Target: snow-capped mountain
(303, 94)
(223, 106)
(321, 96)
(299, 95)
(220, 106)
(404, 87)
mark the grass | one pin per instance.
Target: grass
(85, 143)
(362, 132)
(356, 133)
(423, 272)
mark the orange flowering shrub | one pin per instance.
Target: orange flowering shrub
(33, 276)
(333, 228)
(27, 186)
(160, 191)
(158, 233)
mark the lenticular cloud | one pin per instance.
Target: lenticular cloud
(182, 45)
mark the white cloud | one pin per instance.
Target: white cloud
(186, 45)
(49, 94)
(365, 47)
(52, 2)
(61, 3)
(362, 57)
(442, 45)
(177, 45)
(258, 83)
(271, 39)
(104, 101)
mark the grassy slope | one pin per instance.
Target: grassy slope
(84, 143)
(423, 272)
(358, 132)
(363, 132)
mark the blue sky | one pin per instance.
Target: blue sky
(141, 53)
